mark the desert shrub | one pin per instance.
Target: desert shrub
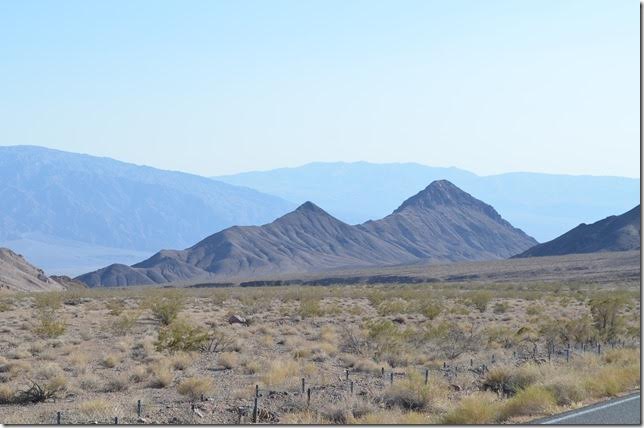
(280, 372)
(42, 391)
(228, 360)
(385, 337)
(166, 306)
(566, 389)
(251, 366)
(117, 383)
(49, 325)
(534, 400)
(90, 383)
(194, 387)
(115, 306)
(478, 408)
(453, 339)
(125, 322)
(396, 417)
(110, 361)
(605, 309)
(49, 300)
(6, 394)
(412, 393)
(500, 308)
(310, 307)
(431, 309)
(347, 411)
(5, 305)
(138, 374)
(161, 376)
(534, 309)
(509, 380)
(96, 409)
(180, 335)
(610, 381)
(393, 306)
(182, 360)
(479, 299)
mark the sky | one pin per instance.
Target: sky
(219, 87)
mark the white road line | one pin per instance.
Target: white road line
(583, 412)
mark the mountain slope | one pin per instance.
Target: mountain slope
(614, 233)
(99, 201)
(441, 223)
(444, 223)
(16, 274)
(543, 205)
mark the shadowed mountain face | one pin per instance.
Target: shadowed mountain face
(90, 207)
(441, 223)
(16, 274)
(614, 233)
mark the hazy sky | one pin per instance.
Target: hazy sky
(216, 87)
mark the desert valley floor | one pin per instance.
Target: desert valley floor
(483, 342)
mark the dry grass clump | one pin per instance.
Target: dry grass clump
(347, 411)
(138, 374)
(117, 383)
(161, 375)
(478, 408)
(182, 360)
(6, 393)
(251, 366)
(280, 372)
(228, 360)
(110, 361)
(566, 389)
(95, 409)
(509, 379)
(532, 401)
(396, 417)
(412, 393)
(90, 383)
(304, 417)
(194, 387)
(361, 364)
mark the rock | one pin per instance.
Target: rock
(141, 421)
(456, 387)
(398, 320)
(236, 319)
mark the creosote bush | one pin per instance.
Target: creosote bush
(180, 335)
(166, 306)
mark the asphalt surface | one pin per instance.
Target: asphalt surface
(619, 411)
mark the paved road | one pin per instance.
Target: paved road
(619, 411)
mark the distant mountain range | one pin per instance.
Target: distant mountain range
(543, 205)
(70, 213)
(614, 233)
(441, 223)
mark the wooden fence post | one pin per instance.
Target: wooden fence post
(58, 418)
(302, 385)
(138, 408)
(255, 411)
(426, 376)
